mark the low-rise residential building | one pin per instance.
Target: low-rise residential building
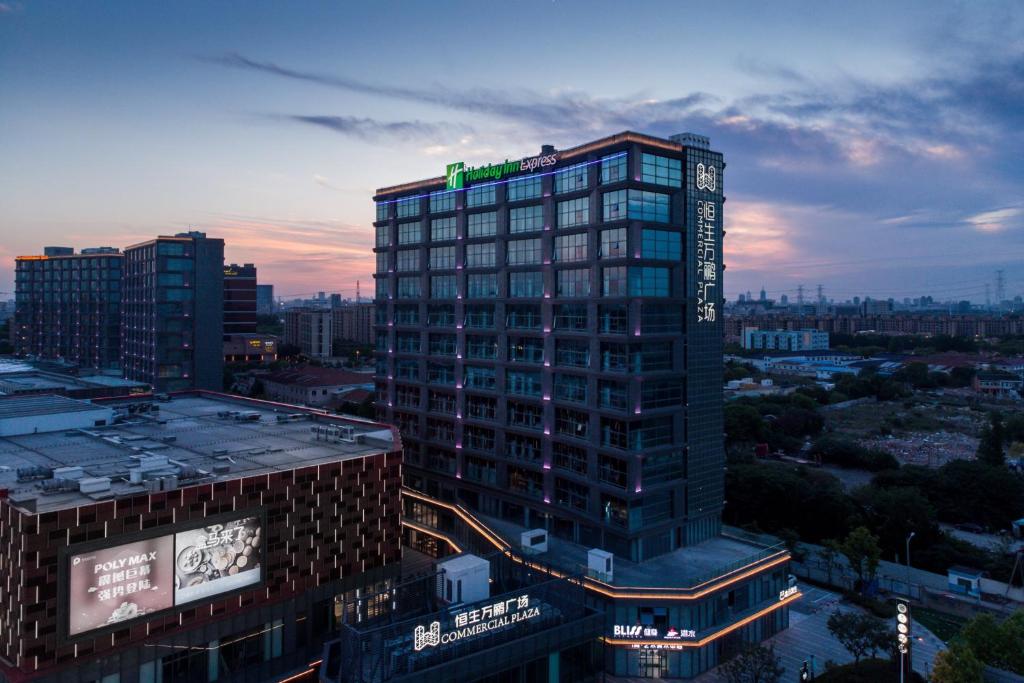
(998, 384)
(784, 340)
(309, 329)
(313, 386)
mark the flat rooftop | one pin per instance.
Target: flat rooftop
(681, 568)
(194, 438)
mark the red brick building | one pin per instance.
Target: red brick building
(312, 501)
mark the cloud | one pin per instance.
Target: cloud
(996, 220)
(10, 7)
(371, 129)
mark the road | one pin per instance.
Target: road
(808, 635)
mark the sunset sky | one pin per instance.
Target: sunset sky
(876, 148)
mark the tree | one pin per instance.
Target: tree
(990, 447)
(957, 664)
(997, 644)
(862, 552)
(830, 551)
(861, 634)
(754, 664)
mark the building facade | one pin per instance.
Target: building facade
(353, 323)
(172, 312)
(311, 329)
(239, 299)
(549, 339)
(190, 568)
(784, 340)
(68, 306)
(265, 299)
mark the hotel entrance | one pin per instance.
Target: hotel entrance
(653, 663)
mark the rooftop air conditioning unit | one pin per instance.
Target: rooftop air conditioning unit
(534, 541)
(601, 564)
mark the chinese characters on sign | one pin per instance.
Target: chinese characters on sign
(217, 558)
(473, 622)
(120, 583)
(707, 270)
(651, 632)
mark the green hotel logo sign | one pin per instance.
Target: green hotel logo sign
(458, 174)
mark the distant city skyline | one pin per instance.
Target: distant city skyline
(877, 152)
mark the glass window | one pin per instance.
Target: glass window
(569, 458)
(480, 316)
(441, 316)
(572, 495)
(522, 316)
(406, 315)
(662, 393)
(525, 415)
(526, 350)
(440, 402)
(570, 248)
(613, 281)
(522, 383)
(524, 252)
(571, 422)
(408, 207)
(382, 262)
(442, 258)
(613, 205)
(382, 211)
(442, 229)
(409, 342)
(482, 285)
(526, 482)
(660, 319)
(613, 243)
(480, 347)
(526, 219)
(574, 282)
(570, 388)
(479, 377)
(482, 224)
(382, 288)
(408, 260)
(383, 236)
(652, 356)
(614, 357)
(438, 373)
(478, 438)
(442, 200)
(571, 178)
(574, 212)
(480, 195)
(572, 353)
(408, 288)
(442, 287)
(612, 470)
(648, 281)
(611, 394)
(571, 317)
(526, 285)
(480, 255)
(409, 233)
(521, 447)
(661, 170)
(442, 344)
(661, 244)
(524, 188)
(648, 206)
(613, 168)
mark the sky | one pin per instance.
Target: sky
(875, 148)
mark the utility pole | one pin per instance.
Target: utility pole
(800, 299)
(820, 308)
(1000, 288)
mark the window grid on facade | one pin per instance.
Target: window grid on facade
(481, 195)
(524, 252)
(442, 200)
(442, 287)
(482, 224)
(524, 188)
(661, 244)
(661, 170)
(528, 284)
(408, 207)
(480, 255)
(569, 248)
(481, 285)
(442, 229)
(442, 258)
(525, 219)
(571, 178)
(409, 233)
(613, 168)
(573, 212)
(408, 260)
(574, 282)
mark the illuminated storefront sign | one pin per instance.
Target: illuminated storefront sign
(475, 622)
(123, 582)
(458, 174)
(707, 268)
(787, 592)
(706, 177)
(638, 631)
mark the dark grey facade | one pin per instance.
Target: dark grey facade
(173, 312)
(239, 299)
(68, 306)
(550, 342)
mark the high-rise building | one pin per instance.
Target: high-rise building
(68, 306)
(311, 330)
(353, 322)
(265, 299)
(551, 345)
(239, 299)
(172, 312)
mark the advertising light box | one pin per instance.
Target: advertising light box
(111, 585)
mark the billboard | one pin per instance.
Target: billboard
(110, 585)
(120, 583)
(216, 559)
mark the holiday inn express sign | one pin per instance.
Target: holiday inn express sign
(458, 174)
